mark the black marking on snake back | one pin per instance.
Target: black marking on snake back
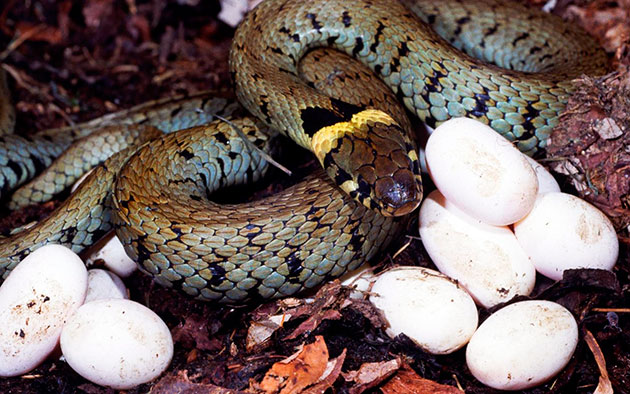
(100, 232)
(68, 234)
(264, 108)
(395, 65)
(434, 84)
(534, 50)
(275, 50)
(252, 234)
(186, 154)
(17, 169)
(358, 46)
(143, 253)
(531, 114)
(39, 164)
(204, 102)
(357, 239)
(21, 255)
(221, 164)
(480, 105)
(175, 112)
(194, 197)
(377, 36)
(316, 118)
(463, 20)
(316, 25)
(403, 49)
(218, 274)
(249, 173)
(232, 155)
(346, 19)
(204, 180)
(294, 37)
(431, 19)
(295, 267)
(221, 138)
(331, 40)
(519, 38)
(492, 30)
(125, 203)
(177, 231)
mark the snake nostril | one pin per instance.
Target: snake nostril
(399, 193)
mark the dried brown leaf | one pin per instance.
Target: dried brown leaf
(371, 374)
(604, 386)
(40, 32)
(333, 369)
(407, 381)
(298, 371)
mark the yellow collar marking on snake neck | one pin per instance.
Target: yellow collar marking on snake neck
(325, 139)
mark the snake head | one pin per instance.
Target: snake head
(371, 158)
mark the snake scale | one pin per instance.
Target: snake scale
(157, 196)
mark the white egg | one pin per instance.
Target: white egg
(522, 345)
(36, 299)
(563, 232)
(546, 182)
(111, 251)
(117, 343)
(426, 306)
(360, 280)
(103, 284)
(481, 172)
(486, 260)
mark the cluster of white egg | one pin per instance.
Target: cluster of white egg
(496, 218)
(51, 299)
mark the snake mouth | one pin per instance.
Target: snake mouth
(399, 194)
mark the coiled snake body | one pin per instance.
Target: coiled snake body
(312, 231)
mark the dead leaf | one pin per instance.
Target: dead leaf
(371, 374)
(604, 386)
(259, 332)
(40, 32)
(333, 369)
(298, 371)
(407, 381)
(325, 306)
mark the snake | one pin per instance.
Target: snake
(498, 62)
